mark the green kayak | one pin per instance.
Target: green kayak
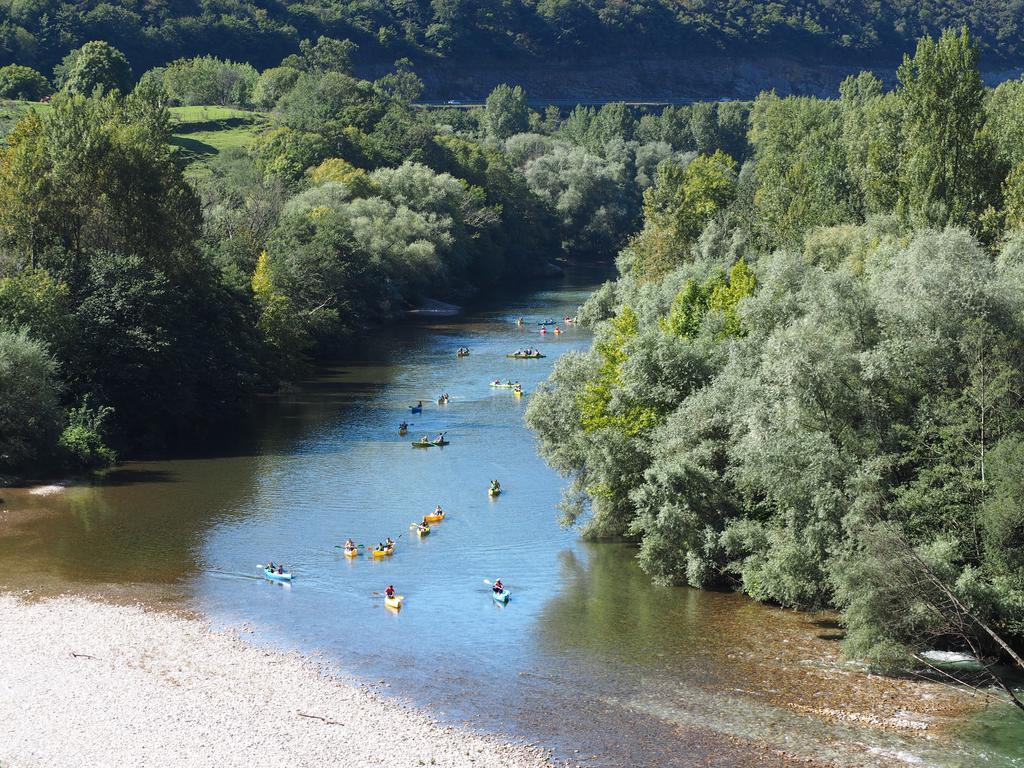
(428, 443)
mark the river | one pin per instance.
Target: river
(588, 657)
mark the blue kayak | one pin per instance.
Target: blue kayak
(275, 576)
(416, 408)
(501, 597)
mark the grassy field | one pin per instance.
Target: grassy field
(200, 133)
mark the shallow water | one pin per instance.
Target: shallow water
(588, 656)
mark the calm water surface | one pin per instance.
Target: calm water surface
(588, 656)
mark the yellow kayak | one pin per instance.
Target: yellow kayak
(434, 518)
(352, 552)
(494, 491)
(517, 392)
(393, 602)
(378, 553)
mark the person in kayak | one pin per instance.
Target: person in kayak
(438, 510)
(280, 570)
(349, 545)
(390, 591)
(271, 566)
(389, 543)
(425, 439)
(498, 586)
(495, 485)
(403, 425)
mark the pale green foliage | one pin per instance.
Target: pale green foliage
(29, 413)
(796, 412)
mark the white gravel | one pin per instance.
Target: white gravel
(164, 690)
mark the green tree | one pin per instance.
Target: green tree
(96, 65)
(506, 112)
(18, 82)
(948, 173)
(272, 84)
(29, 412)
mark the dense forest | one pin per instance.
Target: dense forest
(808, 380)
(40, 33)
(141, 306)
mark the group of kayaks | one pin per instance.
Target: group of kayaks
(498, 593)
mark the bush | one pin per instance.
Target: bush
(18, 82)
(29, 413)
(83, 439)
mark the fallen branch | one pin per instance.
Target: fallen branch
(317, 717)
(83, 656)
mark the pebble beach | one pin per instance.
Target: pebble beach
(90, 684)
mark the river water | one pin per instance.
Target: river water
(588, 657)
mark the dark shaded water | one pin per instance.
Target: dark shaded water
(588, 655)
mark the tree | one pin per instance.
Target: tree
(18, 82)
(272, 84)
(327, 55)
(96, 65)
(506, 112)
(29, 412)
(209, 80)
(948, 173)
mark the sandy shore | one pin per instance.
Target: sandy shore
(84, 683)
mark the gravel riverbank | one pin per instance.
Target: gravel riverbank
(86, 683)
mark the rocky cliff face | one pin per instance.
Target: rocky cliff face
(568, 81)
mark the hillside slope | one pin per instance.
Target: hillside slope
(610, 43)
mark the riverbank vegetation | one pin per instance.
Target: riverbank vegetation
(808, 380)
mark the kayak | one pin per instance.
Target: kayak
(393, 602)
(416, 408)
(494, 491)
(462, 354)
(434, 518)
(379, 553)
(547, 322)
(537, 356)
(517, 392)
(352, 552)
(429, 443)
(502, 596)
(503, 386)
(403, 431)
(424, 531)
(270, 575)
